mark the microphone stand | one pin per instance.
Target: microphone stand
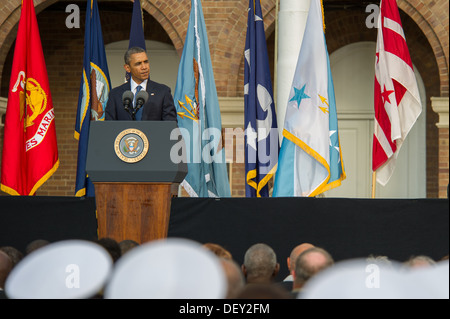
(126, 104)
(139, 104)
(133, 114)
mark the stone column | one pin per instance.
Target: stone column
(291, 26)
(440, 105)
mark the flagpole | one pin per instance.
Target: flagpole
(275, 68)
(374, 183)
(142, 14)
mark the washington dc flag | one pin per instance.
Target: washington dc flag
(397, 100)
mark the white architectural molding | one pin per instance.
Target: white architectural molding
(232, 111)
(3, 102)
(440, 106)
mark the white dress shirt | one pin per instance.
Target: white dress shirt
(134, 86)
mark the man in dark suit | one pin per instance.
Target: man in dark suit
(159, 106)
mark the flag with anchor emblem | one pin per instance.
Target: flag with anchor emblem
(261, 132)
(93, 94)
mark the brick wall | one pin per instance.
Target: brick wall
(443, 162)
(432, 19)
(425, 24)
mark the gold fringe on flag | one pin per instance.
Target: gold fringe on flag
(323, 15)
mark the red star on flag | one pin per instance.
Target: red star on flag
(385, 95)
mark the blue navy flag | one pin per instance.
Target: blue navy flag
(198, 111)
(93, 95)
(261, 132)
(137, 38)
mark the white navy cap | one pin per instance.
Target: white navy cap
(433, 280)
(69, 269)
(359, 279)
(170, 268)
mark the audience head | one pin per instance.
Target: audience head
(13, 253)
(35, 244)
(419, 261)
(263, 291)
(112, 246)
(218, 250)
(235, 277)
(294, 254)
(6, 266)
(309, 263)
(126, 245)
(260, 264)
(379, 260)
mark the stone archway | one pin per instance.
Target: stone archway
(9, 18)
(433, 26)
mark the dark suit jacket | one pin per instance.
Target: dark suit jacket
(159, 106)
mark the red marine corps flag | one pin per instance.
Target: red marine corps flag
(397, 101)
(30, 152)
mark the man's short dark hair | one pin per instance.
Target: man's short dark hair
(131, 51)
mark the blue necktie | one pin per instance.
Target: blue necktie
(139, 112)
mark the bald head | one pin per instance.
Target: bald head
(309, 263)
(420, 261)
(295, 253)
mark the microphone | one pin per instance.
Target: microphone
(141, 98)
(127, 99)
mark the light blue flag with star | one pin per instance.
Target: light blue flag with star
(310, 160)
(198, 111)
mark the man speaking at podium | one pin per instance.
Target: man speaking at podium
(140, 98)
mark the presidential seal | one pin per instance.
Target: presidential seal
(131, 145)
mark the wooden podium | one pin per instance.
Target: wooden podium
(134, 177)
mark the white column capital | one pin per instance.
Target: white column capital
(440, 106)
(232, 111)
(294, 5)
